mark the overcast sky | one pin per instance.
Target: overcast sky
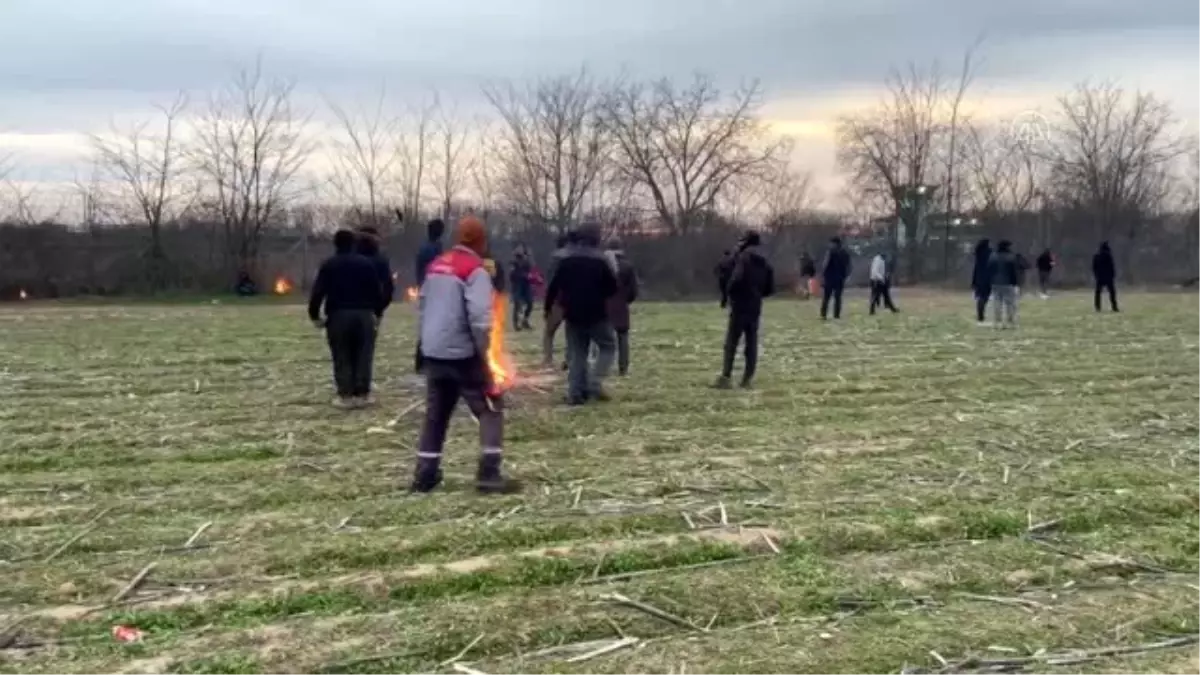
(69, 66)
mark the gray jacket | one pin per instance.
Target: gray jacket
(456, 306)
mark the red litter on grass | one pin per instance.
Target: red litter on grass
(127, 634)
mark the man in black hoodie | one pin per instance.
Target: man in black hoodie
(751, 280)
(1104, 269)
(349, 288)
(981, 279)
(430, 250)
(584, 281)
(1004, 270)
(1045, 265)
(370, 245)
(834, 275)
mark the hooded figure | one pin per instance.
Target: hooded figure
(1004, 270)
(455, 324)
(618, 304)
(1104, 270)
(1045, 265)
(834, 275)
(751, 280)
(981, 280)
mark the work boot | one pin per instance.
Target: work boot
(427, 476)
(723, 382)
(489, 479)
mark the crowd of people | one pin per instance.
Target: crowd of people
(591, 285)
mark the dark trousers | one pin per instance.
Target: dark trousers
(554, 319)
(623, 352)
(351, 336)
(1111, 286)
(741, 326)
(1044, 281)
(834, 292)
(445, 383)
(981, 302)
(881, 291)
(583, 381)
(522, 307)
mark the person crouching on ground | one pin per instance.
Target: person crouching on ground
(370, 245)
(455, 324)
(881, 284)
(981, 280)
(348, 287)
(584, 281)
(752, 280)
(1004, 270)
(618, 304)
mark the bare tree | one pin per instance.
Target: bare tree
(415, 143)
(141, 172)
(998, 168)
(453, 158)
(552, 145)
(687, 147)
(249, 151)
(365, 158)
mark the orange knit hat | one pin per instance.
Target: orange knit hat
(470, 233)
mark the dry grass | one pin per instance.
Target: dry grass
(868, 508)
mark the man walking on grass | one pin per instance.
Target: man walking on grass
(834, 275)
(1004, 269)
(881, 284)
(455, 325)
(429, 251)
(348, 287)
(584, 281)
(521, 284)
(1045, 265)
(981, 279)
(751, 280)
(370, 245)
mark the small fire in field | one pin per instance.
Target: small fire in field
(411, 293)
(22, 294)
(282, 286)
(499, 362)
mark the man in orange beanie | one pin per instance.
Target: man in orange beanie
(455, 326)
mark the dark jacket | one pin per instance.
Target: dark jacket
(1004, 269)
(584, 281)
(752, 280)
(808, 267)
(1104, 268)
(627, 292)
(518, 276)
(723, 271)
(346, 281)
(837, 267)
(1045, 262)
(430, 250)
(981, 278)
(368, 247)
(496, 270)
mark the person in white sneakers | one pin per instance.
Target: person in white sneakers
(881, 284)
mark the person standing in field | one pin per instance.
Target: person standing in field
(808, 273)
(1004, 269)
(455, 323)
(1045, 265)
(1104, 271)
(981, 279)
(834, 274)
(723, 271)
(348, 287)
(751, 280)
(584, 281)
(881, 284)
(521, 282)
(554, 314)
(426, 254)
(618, 304)
(370, 245)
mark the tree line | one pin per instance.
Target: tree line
(649, 158)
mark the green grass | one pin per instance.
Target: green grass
(877, 485)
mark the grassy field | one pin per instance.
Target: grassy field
(900, 492)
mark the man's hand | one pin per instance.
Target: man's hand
(318, 323)
(724, 301)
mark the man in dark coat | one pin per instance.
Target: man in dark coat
(426, 254)
(723, 271)
(834, 275)
(584, 281)
(981, 279)
(1005, 271)
(1104, 270)
(618, 304)
(521, 288)
(370, 245)
(554, 314)
(1045, 265)
(751, 280)
(348, 287)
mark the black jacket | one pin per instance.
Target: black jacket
(837, 267)
(584, 281)
(752, 280)
(346, 281)
(1104, 268)
(808, 267)
(1045, 262)
(981, 278)
(518, 275)
(1004, 269)
(383, 268)
(722, 272)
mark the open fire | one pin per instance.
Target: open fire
(22, 294)
(499, 362)
(411, 293)
(282, 286)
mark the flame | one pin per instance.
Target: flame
(282, 286)
(23, 295)
(411, 293)
(499, 362)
